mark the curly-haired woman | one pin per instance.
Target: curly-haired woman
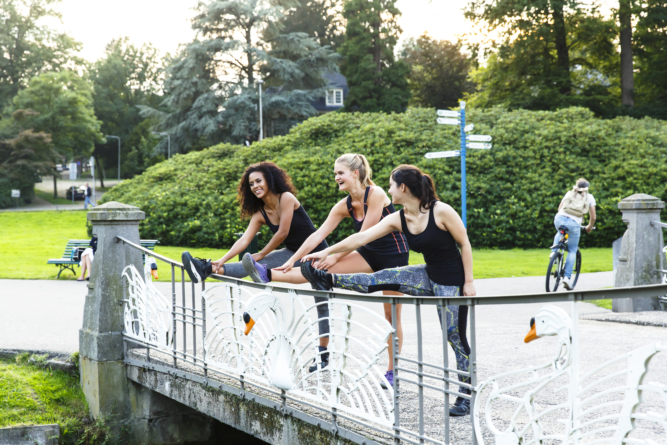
(266, 196)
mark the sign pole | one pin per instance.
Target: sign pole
(463, 165)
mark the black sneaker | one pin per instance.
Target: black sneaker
(319, 279)
(198, 269)
(461, 407)
(324, 358)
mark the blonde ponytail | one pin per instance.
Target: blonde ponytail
(358, 162)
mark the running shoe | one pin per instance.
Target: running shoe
(319, 279)
(461, 407)
(324, 358)
(258, 272)
(567, 283)
(198, 269)
(389, 375)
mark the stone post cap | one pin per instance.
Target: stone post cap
(641, 201)
(116, 211)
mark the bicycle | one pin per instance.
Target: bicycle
(558, 259)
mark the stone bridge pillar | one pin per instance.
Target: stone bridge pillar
(641, 251)
(103, 375)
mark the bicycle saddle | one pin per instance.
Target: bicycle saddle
(562, 229)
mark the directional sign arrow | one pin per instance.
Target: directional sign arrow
(443, 154)
(479, 138)
(446, 121)
(469, 127)
(448, 113)
(478, 145)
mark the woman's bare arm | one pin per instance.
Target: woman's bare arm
(254, 225)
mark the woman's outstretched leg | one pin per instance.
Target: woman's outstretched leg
(411, 280)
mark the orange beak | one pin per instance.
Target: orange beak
(249, 324)
(154, 273)
(532, 335)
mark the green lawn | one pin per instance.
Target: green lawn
(29, 239)
(31, 395)
(48, 196)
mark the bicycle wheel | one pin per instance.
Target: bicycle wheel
(553, 272)
(577, 269)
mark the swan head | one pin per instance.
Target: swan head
(255, 307)
(151, 265)
(550, 320)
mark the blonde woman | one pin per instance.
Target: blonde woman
(367, 204)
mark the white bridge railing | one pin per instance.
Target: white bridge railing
(203, 335)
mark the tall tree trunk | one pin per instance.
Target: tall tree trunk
(627, 79)
(377, 51)
(55, 185)
(562, 51)
(100, 170)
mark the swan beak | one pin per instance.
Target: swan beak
(532, 335)
(154, 273)
(249, 323)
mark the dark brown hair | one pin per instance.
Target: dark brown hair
(276, 179)
(419, 183)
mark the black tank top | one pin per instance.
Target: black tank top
(391, 243)
(443, 259)
(300, 229)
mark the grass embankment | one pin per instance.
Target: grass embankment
(33, 395)
(29, 239)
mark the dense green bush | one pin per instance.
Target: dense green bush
(513, 189)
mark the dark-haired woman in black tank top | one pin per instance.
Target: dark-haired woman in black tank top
(367, 205)
(432, 228)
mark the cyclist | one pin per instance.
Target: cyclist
(574, 205)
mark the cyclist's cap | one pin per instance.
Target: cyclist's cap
(583, 184)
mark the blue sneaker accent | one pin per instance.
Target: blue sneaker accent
(389, 375)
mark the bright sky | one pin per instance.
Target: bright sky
(166, 23)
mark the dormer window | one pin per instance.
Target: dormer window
(335, 98)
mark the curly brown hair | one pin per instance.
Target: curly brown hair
(276, 178)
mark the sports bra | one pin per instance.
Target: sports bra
(443, 259)
(389, 244)
(300, 229)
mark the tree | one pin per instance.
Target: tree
(438, 72)
(650, 47)
(321, 19)
(550, 54)
(377, 82)
(24, 157)
(64, 110)
(126, 78)
(211, 90)
(29, 47)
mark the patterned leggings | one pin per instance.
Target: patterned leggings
(413, 280)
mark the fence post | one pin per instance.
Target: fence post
(641, 251)
(103, 375)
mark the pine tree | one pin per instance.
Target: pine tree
(377, 82)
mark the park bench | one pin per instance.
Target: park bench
(68, 261)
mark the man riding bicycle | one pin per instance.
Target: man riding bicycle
(574, 205)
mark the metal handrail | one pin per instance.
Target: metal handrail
(181, 354)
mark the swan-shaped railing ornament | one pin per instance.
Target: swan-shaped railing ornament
(274, 343)
(147, 313)
(587, 414)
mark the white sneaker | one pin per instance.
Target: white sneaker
(567, 283)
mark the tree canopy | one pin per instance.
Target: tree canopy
(377, 81)
(439, 72)
(29, 47)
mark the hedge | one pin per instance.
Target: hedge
(513, 189)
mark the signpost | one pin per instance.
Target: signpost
(92, 173)
(451, 117)
(16, 194)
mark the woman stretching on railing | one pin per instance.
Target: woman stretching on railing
(266, 196)
(353, 175)
(432, 228)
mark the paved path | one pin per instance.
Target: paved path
(47, 314)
